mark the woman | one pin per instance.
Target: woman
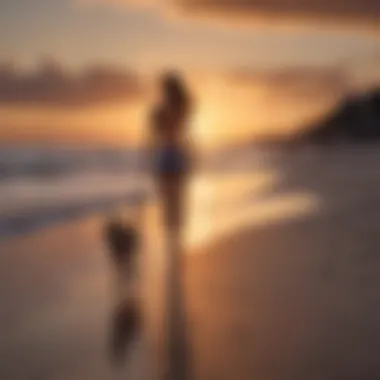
(169, 131)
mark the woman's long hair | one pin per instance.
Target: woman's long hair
(176, 94)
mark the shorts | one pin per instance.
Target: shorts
(172, 161)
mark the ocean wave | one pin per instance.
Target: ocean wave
(35, 218)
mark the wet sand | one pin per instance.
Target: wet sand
(290, 290)
(293, 294)
(294, 301)
(57, 304)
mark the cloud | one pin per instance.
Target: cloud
(128, 3)
(53, 85)
(283, 100)
(365, 12)
(337, 10)
(297, 82)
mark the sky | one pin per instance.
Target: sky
(81, 70)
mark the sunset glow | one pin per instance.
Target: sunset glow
(251, 81)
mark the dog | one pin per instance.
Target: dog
(123, 242)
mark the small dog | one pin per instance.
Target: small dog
(123, 243)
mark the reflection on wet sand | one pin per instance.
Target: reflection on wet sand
(295, 292)
(223, 204)
(178, 361)
(122, 238)
(125, 327)
(216, 205)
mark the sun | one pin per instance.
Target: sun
(203, 125)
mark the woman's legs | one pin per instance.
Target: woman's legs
(173, 197)
(172, 191)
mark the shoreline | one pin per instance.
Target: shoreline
(36, 219)
(58, 302)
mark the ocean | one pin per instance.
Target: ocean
(41, 186)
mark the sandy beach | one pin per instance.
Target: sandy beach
(268, 304)
(288, 289)
(57, 306)
(189, 190)
(294, 295)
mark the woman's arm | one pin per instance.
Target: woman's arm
(150, 140)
